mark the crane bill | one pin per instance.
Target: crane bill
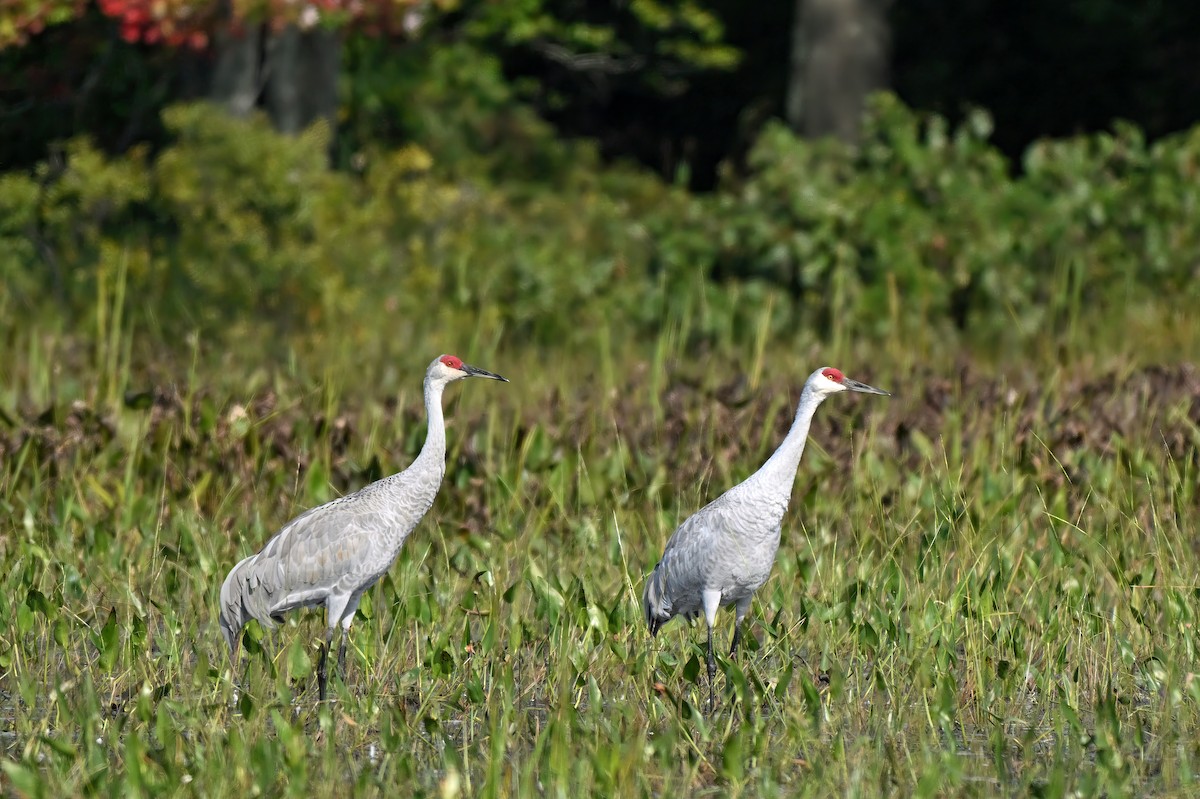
(863, 388)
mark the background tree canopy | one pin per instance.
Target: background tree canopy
(679, 85)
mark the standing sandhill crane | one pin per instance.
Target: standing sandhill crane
(333, 553)
(724, 552)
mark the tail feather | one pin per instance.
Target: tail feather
(232, 614)
(655, 603)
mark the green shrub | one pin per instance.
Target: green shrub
(234, 226)
(18, 233)
(234, 229)
(453, 99)
(923, 226)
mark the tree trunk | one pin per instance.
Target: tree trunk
(839, 56)
(302, 86)
(292, 73)
(237, 70)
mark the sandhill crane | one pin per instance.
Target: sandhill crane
(724, 552)
(333, 553)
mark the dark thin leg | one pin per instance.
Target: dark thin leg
(244, 683)
(270, 643)
(737, 637)
(712, 674)
(342, 655)
(322, 680)
(246, 662)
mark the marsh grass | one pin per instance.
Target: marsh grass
(987, 585)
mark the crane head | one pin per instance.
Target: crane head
(450, 368)
(829, 380)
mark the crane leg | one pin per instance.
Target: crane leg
(712, 674)
(322, 680)
(270, 647)
(737, 637)
(342, 654)
(240, 685)
(712, 601)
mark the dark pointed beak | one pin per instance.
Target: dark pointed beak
(863, 388)
(475, 371)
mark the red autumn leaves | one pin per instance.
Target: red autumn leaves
(190, 23)
(160, 21)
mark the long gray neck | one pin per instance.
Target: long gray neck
(433, 453)
(779, 472)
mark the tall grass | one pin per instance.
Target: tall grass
(986, 585)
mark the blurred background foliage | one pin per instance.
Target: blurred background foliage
(231, 224)
(545, 165)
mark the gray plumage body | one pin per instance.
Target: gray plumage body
(331, 555)
(723, 553)
(727, 547)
